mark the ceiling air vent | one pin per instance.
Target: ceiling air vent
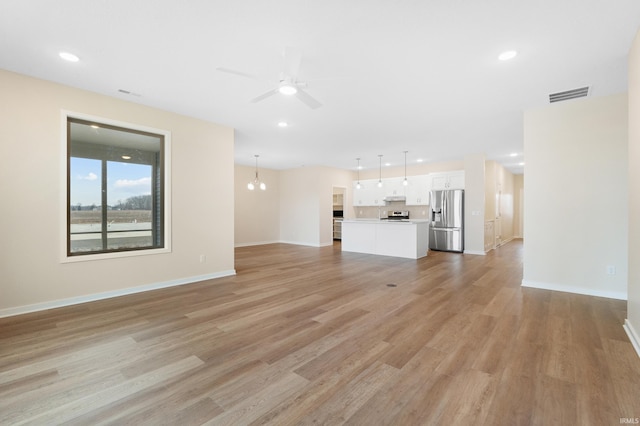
(569, 94)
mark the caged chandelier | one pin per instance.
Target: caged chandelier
(255, 183)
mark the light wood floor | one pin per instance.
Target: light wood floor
(307, 335)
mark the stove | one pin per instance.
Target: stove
(398, 215)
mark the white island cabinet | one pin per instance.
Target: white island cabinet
(408, 239)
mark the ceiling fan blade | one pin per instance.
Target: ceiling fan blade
(264, 95)
(292, 59)
(307, 99)
(240, 73)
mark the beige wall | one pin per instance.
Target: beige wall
(31, 189)
(633, 287)
(412, 169)
(500, 206)
(300, 206)
(474, 199)
(505, 187)
(576, 189)
(490, 190)
(306, 204)
(257, 213)
(518, 205)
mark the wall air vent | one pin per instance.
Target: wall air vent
(569, 94)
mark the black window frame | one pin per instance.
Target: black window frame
(158, 160)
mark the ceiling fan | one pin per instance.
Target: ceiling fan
(288, 83)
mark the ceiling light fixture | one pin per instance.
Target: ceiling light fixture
(283, 124)
(380, 172)
(513, 154)
(68, 56)
(405, 182)
(521, 164)
(256, 182)
(358, 186)
(287, 88)
(126, 157)
(509, 54)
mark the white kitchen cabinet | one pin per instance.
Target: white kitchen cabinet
(417, 192)
(393, 187)
(447, 180)
(369, 193)
(387, 238)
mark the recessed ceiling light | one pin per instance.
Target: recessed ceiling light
(126, 157)
(513, 154)
(419, 160)
(283, 124)
(68, 56)
(387, 164)
(521, 164)
(509, 54)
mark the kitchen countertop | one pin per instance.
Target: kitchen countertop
(396, 221)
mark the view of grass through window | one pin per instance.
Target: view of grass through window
(115, 189)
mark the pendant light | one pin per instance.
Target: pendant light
(405, 182)
(358, 186)
(380, 172)
(256, 182)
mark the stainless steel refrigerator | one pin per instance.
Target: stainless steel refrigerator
(446, 231)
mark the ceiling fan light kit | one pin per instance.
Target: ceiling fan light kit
(288, 83)
(287, 89)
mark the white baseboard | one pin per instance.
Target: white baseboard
(633, 335)
(479, 253)
(8, 312)
(300, 243)
(256, 243)
(577, 290)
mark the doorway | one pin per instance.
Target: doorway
(338, 211)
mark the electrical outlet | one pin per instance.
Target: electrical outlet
(611, 270)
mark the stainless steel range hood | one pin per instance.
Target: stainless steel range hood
(390, 198)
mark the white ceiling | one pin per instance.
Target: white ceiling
(415, 75)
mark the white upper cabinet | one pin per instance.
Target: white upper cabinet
(369, 193)
(448, 180)
(417, 191)
(393, 187)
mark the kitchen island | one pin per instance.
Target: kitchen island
(399, 238)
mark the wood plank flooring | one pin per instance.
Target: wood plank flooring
(305, 335)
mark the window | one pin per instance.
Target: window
(115, 188)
